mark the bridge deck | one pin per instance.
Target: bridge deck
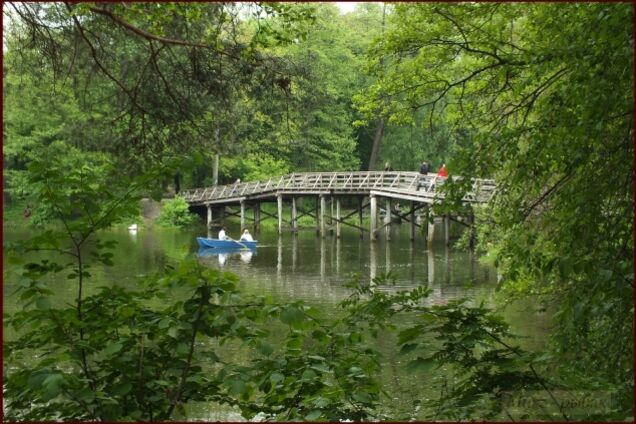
(400, 185)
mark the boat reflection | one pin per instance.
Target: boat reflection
(245, 255)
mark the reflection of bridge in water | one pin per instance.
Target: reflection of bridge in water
(418, 192)
(318, 268)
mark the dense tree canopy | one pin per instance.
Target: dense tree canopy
(547, 109)
(537, 96)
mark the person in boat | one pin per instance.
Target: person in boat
(222, 235)
(246, 236)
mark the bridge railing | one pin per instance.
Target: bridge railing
(359, 181)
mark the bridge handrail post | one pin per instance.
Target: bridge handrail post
(331, 180)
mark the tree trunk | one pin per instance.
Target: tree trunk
(377, 140)
(177, 183)
(215, 168)
(379, 129)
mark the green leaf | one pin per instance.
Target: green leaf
(309, 375)
(236, 386)
(182, 348)
(113, 348)
(265, 348)
(313, 415)
(52, 385)
(292, 315)
(322, 367)
(276, 377)
(43, 303)
(361, 397)
(122, 388)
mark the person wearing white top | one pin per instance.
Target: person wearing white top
(246, 236)
(222, 235)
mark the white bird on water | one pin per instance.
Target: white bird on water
(133, 227)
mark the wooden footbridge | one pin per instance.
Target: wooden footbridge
(398, 189)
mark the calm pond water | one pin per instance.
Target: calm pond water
(315, 270)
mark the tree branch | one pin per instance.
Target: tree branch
(80, 29)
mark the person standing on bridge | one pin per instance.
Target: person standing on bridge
(424, 168)
(423, 174)
(442, 173)
(234, 187)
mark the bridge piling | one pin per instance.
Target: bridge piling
(294, 215)
(430, 225)
(331, 215)
(279, 201)
(447, 229)
(387, 218)
(323, 206)
(337, 217)
(374, 215)
(412, 218)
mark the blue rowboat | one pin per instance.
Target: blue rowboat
(209, 243)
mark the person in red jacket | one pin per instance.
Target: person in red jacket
(442, 173)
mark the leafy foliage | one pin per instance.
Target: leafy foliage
(175, 213)
(521, 93)
(549, 114)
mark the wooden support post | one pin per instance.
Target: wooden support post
(447, 229)
(338, 217)
(279, 200)
(331, 215)
(209, 216)
(412, 218)
(360, 199)
(387, 252)
(222, 213)
(373, 263)
(242, 216)
(279, 262)
(430, 225)
(387, 218)
(323, 206)
(374, 215)
(294, 215)
(318, 215)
